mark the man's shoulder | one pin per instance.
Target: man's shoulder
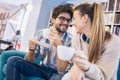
(42, 30)
(40, 34)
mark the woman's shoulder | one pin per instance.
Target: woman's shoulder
(112, 38)
(115, 39)
(112, 46)
(113, 43)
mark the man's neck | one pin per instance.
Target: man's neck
(60, 34)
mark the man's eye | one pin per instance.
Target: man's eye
(63, 18)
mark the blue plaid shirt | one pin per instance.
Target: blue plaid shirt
(48, 55)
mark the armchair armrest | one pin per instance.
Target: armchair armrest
(4, 57)
(118, 73)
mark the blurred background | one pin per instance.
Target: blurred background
(28, 16)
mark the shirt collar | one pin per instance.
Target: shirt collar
(63, 39)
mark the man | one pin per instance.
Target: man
(61, 18)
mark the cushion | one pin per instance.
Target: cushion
(17, 53)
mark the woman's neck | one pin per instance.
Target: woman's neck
(87, 33)
(87, 30)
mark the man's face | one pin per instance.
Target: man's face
(62, 22)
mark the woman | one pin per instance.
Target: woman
(101, 48)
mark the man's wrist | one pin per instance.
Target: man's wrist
(30, 56)
(31, 51)
(60, 43)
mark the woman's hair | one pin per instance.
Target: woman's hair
(98, 34)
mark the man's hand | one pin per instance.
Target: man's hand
(32, 45)
(54, 38)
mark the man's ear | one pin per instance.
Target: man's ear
(52, 20)
(85, 18)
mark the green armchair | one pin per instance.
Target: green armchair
(118, 73)
(6, 54)
(3, 60)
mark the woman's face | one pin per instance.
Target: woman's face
(78, 22)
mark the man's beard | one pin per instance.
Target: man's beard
(59, 30)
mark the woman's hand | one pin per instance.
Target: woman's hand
(81, 61)
(77, 73)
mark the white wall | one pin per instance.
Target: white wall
(32, 23)
(15, 2)
(46, 7)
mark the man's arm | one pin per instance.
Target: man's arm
(55, 40)
(61, 65)
(30, 56)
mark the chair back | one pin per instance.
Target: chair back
(118, 73)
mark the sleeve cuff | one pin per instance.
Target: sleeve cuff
(91, 70)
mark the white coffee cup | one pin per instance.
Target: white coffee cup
(65, 53)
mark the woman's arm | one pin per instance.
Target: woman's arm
(106, 67)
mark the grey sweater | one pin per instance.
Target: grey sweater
(106, 67)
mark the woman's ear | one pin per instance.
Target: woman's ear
(85, 18)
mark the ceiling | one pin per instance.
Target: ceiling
(15, 2)
(11, 6)
(77, 2)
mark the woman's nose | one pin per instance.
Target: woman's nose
(71, 24)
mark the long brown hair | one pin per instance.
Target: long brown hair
(98, 34)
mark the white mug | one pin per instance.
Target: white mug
(65, 53)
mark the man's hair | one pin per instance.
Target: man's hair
(62, 8)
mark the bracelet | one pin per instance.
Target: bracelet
(32, 50)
